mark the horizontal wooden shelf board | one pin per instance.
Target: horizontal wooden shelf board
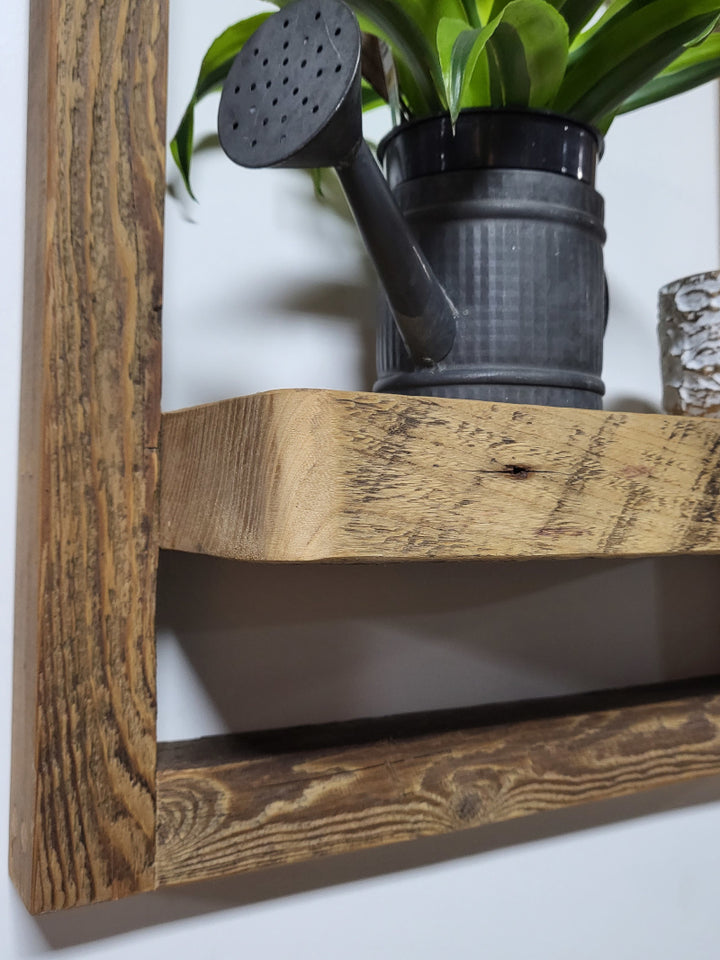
(234, 804)
(313, 475)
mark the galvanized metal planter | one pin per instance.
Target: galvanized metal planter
(504, 208)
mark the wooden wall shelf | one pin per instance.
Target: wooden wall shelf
(306, 475)
(233, 804)
(97, 812)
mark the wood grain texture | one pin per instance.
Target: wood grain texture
(84, 746)
(262, 800)
(297, 475)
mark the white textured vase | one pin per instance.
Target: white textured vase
(689, 331)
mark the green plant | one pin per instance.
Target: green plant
(589, 59)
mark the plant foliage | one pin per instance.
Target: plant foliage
(589, 59)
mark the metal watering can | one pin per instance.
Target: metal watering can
(495, 225)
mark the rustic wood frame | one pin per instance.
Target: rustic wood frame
(97, 811)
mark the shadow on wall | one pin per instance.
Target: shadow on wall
(279, 645)
(274, 645)
(238, 322)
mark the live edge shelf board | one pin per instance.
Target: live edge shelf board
(99, 810)
(307, 475)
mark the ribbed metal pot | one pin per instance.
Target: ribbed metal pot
(506, 212)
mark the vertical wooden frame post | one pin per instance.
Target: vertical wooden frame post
(84, 739)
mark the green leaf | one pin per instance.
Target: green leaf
(459, 50)
(471, 13)
(371, 98)
(577, 13)
(222, 51)
(697, 65)
(214, 68)
(603, 125)
(528, 52)
(417, 66)
(409, 26)
(633, 46)
(427, 14)
(496, 8)
(709, 29)
(317, 178)
(415, 57)
(616, 9)
(181, 146)
(520, 54)
(424, 16)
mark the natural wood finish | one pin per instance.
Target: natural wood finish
(297, 475)
(84, 747)
(262, 800)
(290, 475)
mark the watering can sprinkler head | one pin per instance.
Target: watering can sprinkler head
(292, 98)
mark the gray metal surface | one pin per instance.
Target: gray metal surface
(288, 86)
(520, 253)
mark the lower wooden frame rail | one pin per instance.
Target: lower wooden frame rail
(227, 805)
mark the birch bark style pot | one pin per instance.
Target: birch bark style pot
(487, 237)
(689, 333)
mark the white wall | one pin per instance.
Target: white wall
(262, 275)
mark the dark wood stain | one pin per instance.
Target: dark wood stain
(254, 800)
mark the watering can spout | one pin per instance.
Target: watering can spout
(425, 316)
(292, 98)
